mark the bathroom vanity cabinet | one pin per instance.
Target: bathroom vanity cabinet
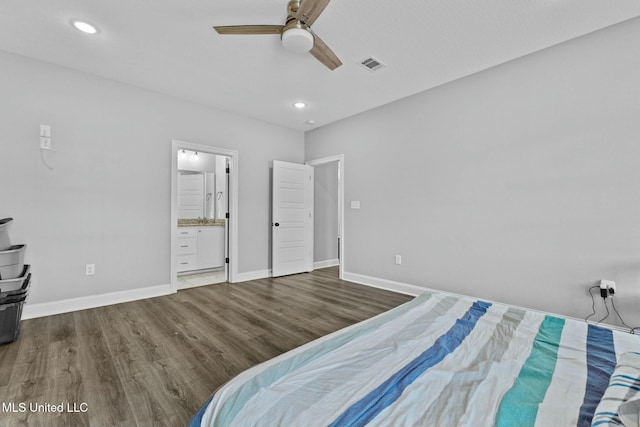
(200, 248)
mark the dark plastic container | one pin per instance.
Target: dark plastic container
(10, 315)
(9, 296)
(15, 298)
(11, 303)
(17, 283)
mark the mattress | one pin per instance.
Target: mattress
(438, 360)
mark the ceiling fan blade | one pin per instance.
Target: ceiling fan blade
(249, 29)
(309, 10)
(324, 54)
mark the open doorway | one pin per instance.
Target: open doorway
(329, 212)
(203, 215)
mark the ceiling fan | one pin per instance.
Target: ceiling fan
(296, 34)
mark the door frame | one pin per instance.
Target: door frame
(232, 225)
(340, 159)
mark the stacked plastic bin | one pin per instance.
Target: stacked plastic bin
(14, 284)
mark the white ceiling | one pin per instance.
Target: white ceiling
(169, 46)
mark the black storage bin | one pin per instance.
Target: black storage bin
(10, 315)
(11, 303)
(13, 288)
(22, 290)
(15, 298)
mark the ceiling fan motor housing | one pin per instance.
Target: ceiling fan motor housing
(296, 36)
(298, 40)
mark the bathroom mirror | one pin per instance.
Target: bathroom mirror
(202, 185)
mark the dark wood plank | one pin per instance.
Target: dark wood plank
(103, 391)
(8, 359)
(155, 361)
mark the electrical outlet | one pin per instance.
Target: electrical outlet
(607, 288)
(45, 137)
(398, 260)
(90, 270)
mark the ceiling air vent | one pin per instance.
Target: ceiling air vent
(372, 64)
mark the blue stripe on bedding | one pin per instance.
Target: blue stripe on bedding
(197, 418)
(601, 361)
(598, 423)
(626, 377)
(625, 385)
(519, 407)
(366, 409)
(241, 396)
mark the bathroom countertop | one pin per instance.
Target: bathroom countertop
(201, 223)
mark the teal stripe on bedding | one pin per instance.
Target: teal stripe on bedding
(234, 403)
(519, 407)
(454, 398)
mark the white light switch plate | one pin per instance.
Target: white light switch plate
(355, 204)
(45, 130)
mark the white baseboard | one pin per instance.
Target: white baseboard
(252, 275)
(31, 311)
(413, 290)
(263, 274)
(326, 263)
(390, 285)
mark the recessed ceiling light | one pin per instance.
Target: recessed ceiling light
(310, 122)
(85, 27)
(300, 105)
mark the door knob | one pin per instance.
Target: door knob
(277, 224)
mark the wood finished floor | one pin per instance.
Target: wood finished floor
(154, 362)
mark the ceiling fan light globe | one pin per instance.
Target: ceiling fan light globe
(297, 40)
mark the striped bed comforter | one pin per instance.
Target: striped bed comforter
(438, 360)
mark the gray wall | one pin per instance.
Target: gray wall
(325, 228)
(107, 199)
(518, 184)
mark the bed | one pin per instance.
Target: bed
(440, 360)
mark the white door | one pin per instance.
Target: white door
(292, 219)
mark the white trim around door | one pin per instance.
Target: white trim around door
(340, 159)
(233, 155)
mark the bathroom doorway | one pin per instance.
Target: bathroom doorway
(203, 215)
(329, 212)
